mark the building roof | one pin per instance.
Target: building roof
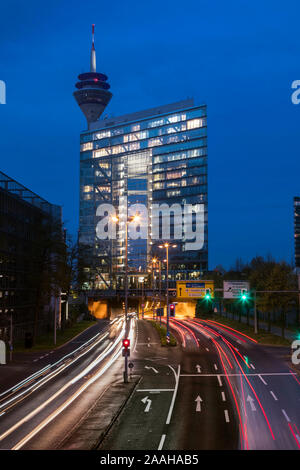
(17, 189)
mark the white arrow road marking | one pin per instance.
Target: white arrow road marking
(198, 401)
(147, 402)
(251, 400)
(154, 370)
(198, 368)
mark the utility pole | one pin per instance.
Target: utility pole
(55, 315)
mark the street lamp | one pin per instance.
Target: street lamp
(132, 218)
(167, 246)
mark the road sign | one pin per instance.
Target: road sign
(2, 352)
(233, 289)
(194, 289)
(160, 312)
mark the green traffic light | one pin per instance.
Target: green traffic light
(207, 295)
(244, 295)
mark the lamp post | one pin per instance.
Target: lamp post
(167, 246)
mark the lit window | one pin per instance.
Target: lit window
(87, 146)
(194, 123)
(87, 189)
(101, 135)
(154, 142)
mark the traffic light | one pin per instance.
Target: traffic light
(126, 349)
(172, 310)
(244, 295)
(207, 294)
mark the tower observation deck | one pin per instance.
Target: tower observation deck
(92, 94)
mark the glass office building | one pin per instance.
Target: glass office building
(149, 157)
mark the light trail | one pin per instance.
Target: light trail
(9, 403)
(100, 358)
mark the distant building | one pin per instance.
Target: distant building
(154, 156)
(26, 225)
(297, 232)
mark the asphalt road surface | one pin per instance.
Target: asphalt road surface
(42, 410)
(218, 390)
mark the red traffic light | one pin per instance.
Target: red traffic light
(126, 343)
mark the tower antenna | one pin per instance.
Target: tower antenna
(93, 51)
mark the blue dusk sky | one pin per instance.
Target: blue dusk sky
(238, 57)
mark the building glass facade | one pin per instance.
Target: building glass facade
(150, 157)
(25, 218)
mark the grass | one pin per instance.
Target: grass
(162, 331)
(263, 337)
(46, 342)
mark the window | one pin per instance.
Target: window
(87, 189)
(194, 123)
(154, 142)
(87, 146)
(101, 135)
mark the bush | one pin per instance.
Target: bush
(162, 331)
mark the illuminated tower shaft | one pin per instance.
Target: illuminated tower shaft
(92, 94)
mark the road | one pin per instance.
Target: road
(40, 411)
(219, 390)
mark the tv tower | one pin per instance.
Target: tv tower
(92, 94)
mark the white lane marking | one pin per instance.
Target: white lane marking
(155, 390)
(147, 402)
(215, 366)
(286, 416)
(238, 341)
(198, 401)
(223, 396)
(198, 368)
(241, 375)
(207, 349)
(252, 366)
(263, 381)
(153, 368)
(161, 442)
(274, 396)
(1, 414)
(220, 380)
(251, 400)
(226, 416)
(174, 394)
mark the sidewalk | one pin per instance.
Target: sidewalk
(25, 364)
